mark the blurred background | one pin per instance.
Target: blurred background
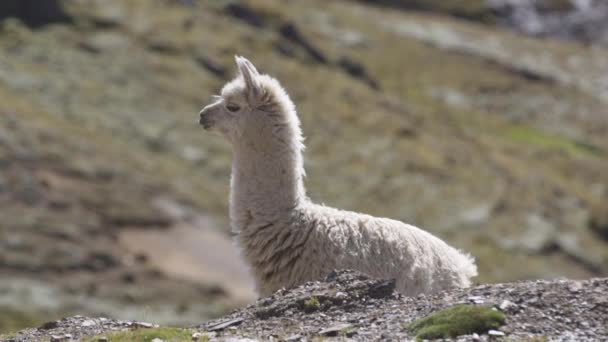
(485, 122)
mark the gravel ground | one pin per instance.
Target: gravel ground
(350, 306)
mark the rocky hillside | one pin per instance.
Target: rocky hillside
(109, 191)
(350, 306)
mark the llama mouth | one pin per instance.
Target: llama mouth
(206, 125)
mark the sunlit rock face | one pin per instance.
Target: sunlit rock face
(584, 20)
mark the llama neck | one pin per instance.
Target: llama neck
(267, 178)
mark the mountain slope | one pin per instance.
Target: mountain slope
(492, 141)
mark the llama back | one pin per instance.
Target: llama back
(389, 249)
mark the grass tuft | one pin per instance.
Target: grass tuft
(312, 304)
(457, 320)
(543, 140)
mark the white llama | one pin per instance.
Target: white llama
(288, 240)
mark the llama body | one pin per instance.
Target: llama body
(287, 239)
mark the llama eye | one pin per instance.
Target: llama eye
(233, 107)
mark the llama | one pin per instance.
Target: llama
(288, 240)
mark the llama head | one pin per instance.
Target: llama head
(251, 106)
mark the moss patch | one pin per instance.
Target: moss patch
(457, 320)
(11, 320)
(311, 304)
(552, 142)
(147, 335)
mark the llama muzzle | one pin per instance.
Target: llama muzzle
(204, 120)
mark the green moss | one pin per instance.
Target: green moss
(312, 304)
(543, 140)
(146, 335)
(11, 320)
(457, 320)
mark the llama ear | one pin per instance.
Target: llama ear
(250, 76)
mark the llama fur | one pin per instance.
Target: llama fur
(284, 237)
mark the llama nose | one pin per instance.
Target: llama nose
(203, 119)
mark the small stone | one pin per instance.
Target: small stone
(56, 338)
(475, 337)
(157, 340)
(335, 330)
(49, 325)
(476, 299)
(496, 333)
(575, 286)
(382, 290)
(196, 336)
(143, 325)
(506, 304)
(225, 324)
(88, 323)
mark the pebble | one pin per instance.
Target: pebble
(335, 329)
(49, 325)
(88, 323)
(196, 336)
(157, 340)
(496, 333)
(143, 325)
(506, 304)
(575, 286)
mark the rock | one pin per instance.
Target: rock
(381, 290)
(476, 299)
(210, 64)
(540, 235)
(88, 323)
(61, 338)
(104, 41)
(586, 21)
(225, 324)
(506, 305)
(290, 32)
(49, 325)
(598, 221)
(575, 286)
(196, 336)
(245, 13)
(293, 338)
(478, 214)
(496, 333)
(34, 13)
(193, 154)
(357, 71)
(109, 14)
(157, 340)
(144, 325)
(336, 329)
